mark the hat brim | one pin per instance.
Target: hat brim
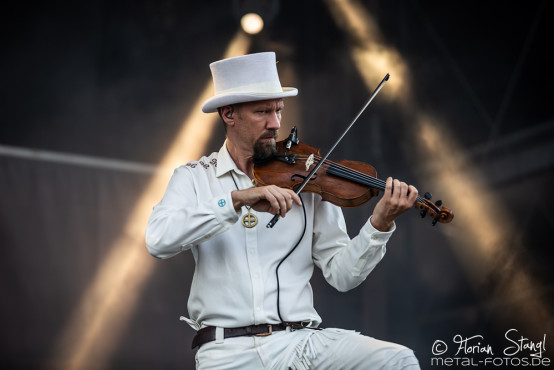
(221, 100)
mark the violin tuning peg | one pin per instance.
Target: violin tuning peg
(428, 196)
(435, 220)
(423, 213)
(438, 203)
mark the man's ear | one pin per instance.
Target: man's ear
(227, 114)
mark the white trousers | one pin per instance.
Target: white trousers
(305, 349)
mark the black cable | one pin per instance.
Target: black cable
(284, 258)
(288, 254)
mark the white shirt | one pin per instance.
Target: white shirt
(234, 281)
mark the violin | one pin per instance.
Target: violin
(344, 183)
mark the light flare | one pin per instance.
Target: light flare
(91, 334)
(481, 230)
(252, 23)
(480, 218)
(372, 56)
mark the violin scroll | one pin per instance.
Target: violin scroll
(443, 214)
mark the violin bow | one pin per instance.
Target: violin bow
(322, 160)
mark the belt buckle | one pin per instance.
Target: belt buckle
(269, 332)
(295, 326)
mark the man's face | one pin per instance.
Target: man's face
(257, 126)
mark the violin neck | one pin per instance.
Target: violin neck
(355, 176)
(360, 178)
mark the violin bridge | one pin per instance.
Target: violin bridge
(309, 162)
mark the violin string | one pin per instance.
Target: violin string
(361, 176)
(357, 175)
(368, 180)
(354, 175)
(380, 184)
(371, 181)
(350, 173)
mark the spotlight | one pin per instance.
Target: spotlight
(252, 23)
(254, 15)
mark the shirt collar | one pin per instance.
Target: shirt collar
(224, 162)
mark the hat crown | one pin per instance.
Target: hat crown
(255, 73)
(246, 78)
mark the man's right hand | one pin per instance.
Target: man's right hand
(271, 199)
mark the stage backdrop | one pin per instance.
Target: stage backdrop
(100, 101)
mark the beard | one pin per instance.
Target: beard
(265, 149)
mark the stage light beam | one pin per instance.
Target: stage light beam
(91, 334)
(372, 56)
(481, 220)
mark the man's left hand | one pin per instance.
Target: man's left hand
(397, 199)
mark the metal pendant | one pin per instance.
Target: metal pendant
(249, 220)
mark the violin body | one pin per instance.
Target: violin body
(289, 168)
(344, 183)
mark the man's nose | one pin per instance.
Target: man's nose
(274, 121)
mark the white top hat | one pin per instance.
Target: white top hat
(245, 78)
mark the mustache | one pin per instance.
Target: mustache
(270, 134)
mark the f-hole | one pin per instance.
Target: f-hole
(314, 176)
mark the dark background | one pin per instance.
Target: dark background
(115, 79)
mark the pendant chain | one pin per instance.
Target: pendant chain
(249, 220)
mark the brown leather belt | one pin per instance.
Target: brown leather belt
(207, 334)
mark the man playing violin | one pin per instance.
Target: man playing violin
(251, 301)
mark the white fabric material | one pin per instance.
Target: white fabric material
(306, 349)
(219, 335)
(245, 78)
(234, 282)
